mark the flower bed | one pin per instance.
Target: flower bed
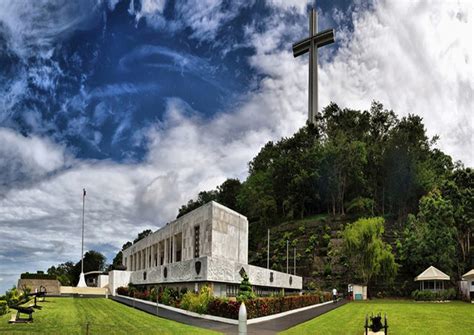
(260, 306)
(204, 303)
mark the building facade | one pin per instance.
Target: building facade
(208, 246)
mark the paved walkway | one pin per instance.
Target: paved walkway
(264, 328)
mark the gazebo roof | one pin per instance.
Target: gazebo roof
(432, 273)
(469, 275)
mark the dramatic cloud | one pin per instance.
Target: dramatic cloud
(34, 26)
(413, 57)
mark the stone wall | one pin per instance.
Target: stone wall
(229, 234)
(52, 285)
(215, 270)
(185, 225)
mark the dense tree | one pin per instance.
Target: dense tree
(142, 235)
(93, 261)
(63, 272)
(430, 236)
(459, 190)
(349, 165)
(368, 255)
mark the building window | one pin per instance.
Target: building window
(196, 242)
(232, 290)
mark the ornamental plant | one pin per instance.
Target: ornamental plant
(245, 290)
(3, 307)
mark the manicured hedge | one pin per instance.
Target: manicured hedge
(27, 275)
(441, 295)
(3, 307)
(261, 306)
(204, 303)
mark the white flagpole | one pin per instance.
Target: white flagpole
(82, 280)
(287, 256)
(82, 244)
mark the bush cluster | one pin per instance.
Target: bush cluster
(261, 306)
(204, 303)
(3, 307)
(28, 275)
(441, 295)
(199, 302)
(166, 296)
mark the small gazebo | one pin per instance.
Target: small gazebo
(432, 279)
(467, 285)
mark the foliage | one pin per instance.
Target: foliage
(427, 295)
(93, 261)
(368, 255)
(245, 289)
(197, 302)
(358, 163)
(122, 290)
(261, 306)
(117, 261)
(3, 307)
(142, 235)
(225, 194)
(13, 296)
(430, 236)
(458, 189)
(64, 272)
(28, 275)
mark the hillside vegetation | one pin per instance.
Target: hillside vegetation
(354, 164)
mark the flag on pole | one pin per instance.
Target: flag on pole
(84, 192)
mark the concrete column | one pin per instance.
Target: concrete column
(165, 261)
(158, 256)
(173, 249)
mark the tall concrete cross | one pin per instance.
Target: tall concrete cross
(311, 44)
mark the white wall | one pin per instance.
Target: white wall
(102, 281)
(118, 278)
(229, 234)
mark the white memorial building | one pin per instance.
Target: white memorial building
(208, 246)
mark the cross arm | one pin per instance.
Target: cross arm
(321, 39)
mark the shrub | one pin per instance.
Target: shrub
(441, 295)
(224, 308)
(165, 297)
(198, 303)
(3, 307)
(245, 289)
(12, 296)
(39, 275)
(261, 306)
(327, 296)
(122, 290)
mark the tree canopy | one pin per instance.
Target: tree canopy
(368, 255)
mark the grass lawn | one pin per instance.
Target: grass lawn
(404, 317)
(70, 315)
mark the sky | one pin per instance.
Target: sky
(147, 102)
